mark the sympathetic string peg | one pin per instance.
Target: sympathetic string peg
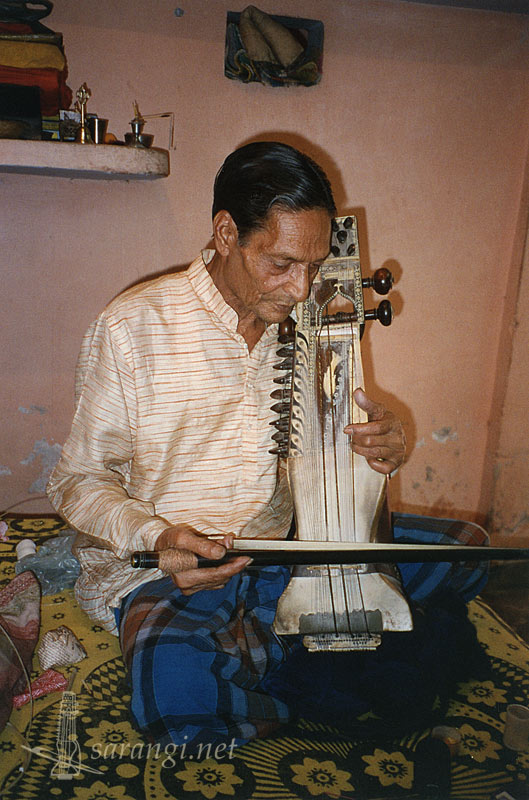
(287, 328)
(381, 282)
(281, 408)
(282, 424)
(286, 337)
(384, 313)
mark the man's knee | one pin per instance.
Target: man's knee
(175, 680)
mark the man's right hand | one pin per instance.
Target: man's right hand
(195, 579)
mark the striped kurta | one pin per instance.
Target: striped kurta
(172, 425)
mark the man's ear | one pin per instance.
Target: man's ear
(225, 233)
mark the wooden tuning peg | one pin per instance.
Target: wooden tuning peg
(384, 313)
(381, 282)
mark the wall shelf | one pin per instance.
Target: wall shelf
(70, 160)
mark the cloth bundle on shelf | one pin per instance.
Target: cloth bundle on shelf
(33, 73)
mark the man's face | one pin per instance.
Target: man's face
(275, 266)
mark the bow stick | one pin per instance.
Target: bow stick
(273, 552)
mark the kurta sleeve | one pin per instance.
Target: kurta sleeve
(88, 485)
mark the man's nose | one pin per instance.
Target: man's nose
(299, 283)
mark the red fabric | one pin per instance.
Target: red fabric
(54, 93)
(19, 628)
(16, 28)
(49, 681)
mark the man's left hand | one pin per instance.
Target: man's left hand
(381, 440)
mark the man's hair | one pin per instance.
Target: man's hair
(263, 175)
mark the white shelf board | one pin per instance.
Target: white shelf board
(70, 160)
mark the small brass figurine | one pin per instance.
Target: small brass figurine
(83, 94)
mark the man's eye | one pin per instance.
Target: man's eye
(286, 265)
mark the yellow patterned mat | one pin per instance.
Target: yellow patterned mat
(110, 761)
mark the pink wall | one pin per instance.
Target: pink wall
(509, 512)
(422, 122)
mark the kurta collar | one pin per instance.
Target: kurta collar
(213, 300)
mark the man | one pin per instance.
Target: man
(170, 445)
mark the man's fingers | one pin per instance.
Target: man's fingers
(384, 467)
(371, 434)
(381, 440)
(182, 537)
(374, 453)
(374, 410)
(174, 560)
(194, 580)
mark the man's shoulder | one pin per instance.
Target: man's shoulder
(151, 293)
(160, 300)
(161, 295)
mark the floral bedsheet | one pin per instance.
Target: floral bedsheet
(81, 745)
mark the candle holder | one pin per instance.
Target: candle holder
(83, 94)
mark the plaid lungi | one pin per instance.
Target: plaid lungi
(423, 581)
(204, 668)
(195, 662)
